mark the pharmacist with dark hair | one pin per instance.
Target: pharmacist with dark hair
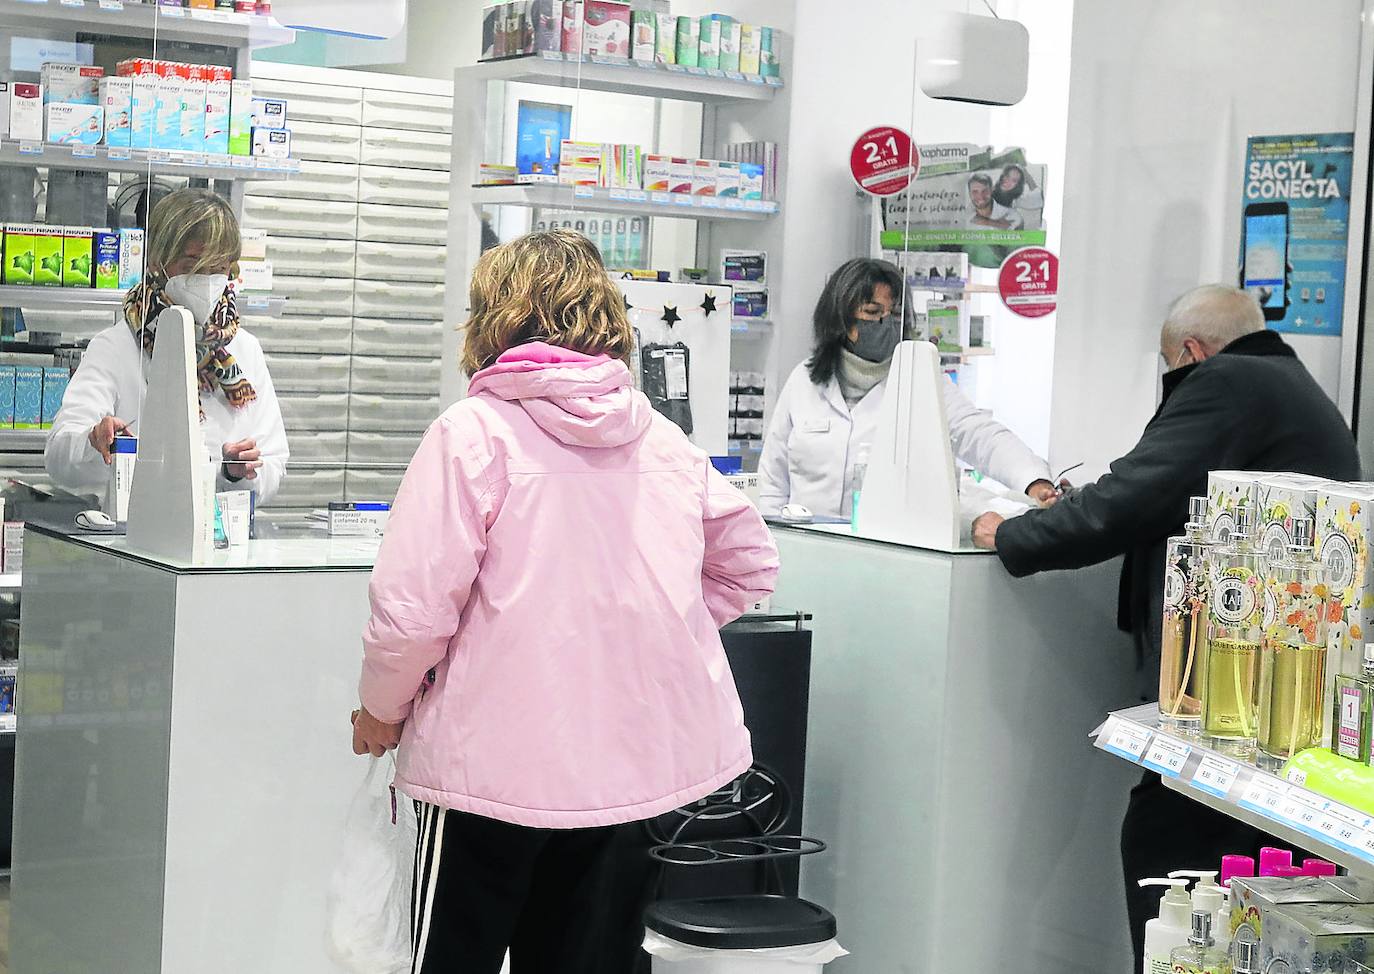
(1236, 398)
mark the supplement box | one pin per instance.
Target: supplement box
(546, 16)
(272, 143)
(105, 253)
(69, 124)
(606, 28)
(54, 388)
(240, 118)
(749, 49)
(750, 181)
(21, 257)
(729, 43)
(7, 396)
(130, 257)
(269, 113)
(665, 39)
(47, 249)
(28, 397)
(704, 177)
(217, 101)
(727, 180)
(769, 66)
(658, 173)
(75, 84)
(78, 265)
(643, 35)
(192, 135)
(688, 42)
(744, 266)
(117, 102)
(167, 120)
(145, 89)
(1320, 938)
(681, 179)
(357, 520)
(749, 301)
(26, 111)
(709, 57)
(494, 174)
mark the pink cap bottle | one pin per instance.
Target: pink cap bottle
(1289, 872)
(1233, 866)
(1318, 867)
(1271, 859)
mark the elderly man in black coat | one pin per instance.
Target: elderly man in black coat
(1236, 398)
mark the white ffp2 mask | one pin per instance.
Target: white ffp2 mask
(197, 293)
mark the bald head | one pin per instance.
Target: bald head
(1203, 321)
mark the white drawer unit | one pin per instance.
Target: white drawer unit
(306, 102)
(313, 446)
(407, 110)
(315, 296)
(401, 262)
(413, 339)
(406, 149)
(311, 257)
(325, 142)
(305, 486)
(411, 376)
(382, 447)
(314, 411)
(403, 187)
(391, 413)
(72, 324)
(302, 334)
(321, 219)
(315, 181)
(372, 485)
(387, 299)
(309, 373)
(403, 224)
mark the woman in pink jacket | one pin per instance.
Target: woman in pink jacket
(544, 638)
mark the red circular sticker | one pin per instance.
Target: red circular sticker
(883, 161)
(1029, 282)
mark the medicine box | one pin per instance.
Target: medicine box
(105, 253)
(1226, 490)
(546, 16)
(727, 180)
(658, 173)
(240, 118)
(769, 65)
(709, 56)
(14, 547)
(252, 244)
(704, 177)
(47, 249)
(729, 43)
(744, 266)
(495, 174)
(750, 181)
(55, 381)
(217, 100)
(144, 91)
(116, 101)
(192, 137)
(749, 301)
(688, 46)
(749, 48)
(28, 397)
(272, 143)
(78, 264)
(69, 124)
(681, 176)
(572, 27)
(357, 520)
(269, 113)
(74, 84)
(606, 28)
(21, 256)
(665, 39)
(26, 111)
(130, 257)
(167, 124)
(7, 396)
(1320, 938)
(643, 35)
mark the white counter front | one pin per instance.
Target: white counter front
(183, 765)
(948, 760)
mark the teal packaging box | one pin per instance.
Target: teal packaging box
(28, 397)
(6, 397)
(54, 388)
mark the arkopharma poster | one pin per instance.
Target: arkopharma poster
(1295, 224)
(972, 198)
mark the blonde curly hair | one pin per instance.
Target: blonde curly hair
(191, 216)
(548, 287)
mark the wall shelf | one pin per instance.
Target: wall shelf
(145, 20)
(627, 77)
(105, 158)
(22, 441)
(636, 201)
(87, 299)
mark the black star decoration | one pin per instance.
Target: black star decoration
(708, 304)
(628, 305)
(670, 315)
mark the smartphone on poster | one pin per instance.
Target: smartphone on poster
(1265, 269)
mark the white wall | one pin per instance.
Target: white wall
(1163, 96)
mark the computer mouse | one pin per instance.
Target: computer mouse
(796, 512)
(95, 521)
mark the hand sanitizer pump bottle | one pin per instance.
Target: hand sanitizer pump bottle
(1210, 898)
(1201, 955)
(1169, 930)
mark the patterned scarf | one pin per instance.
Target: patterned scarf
(215, 367)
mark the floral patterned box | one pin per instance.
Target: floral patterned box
(1253, 900)
(1226, 489)
(1283, 499)
(1321, 938)
(1345, 529)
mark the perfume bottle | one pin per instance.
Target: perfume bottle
(1201, 956)
(1235, 616)
(1292, 682)
(1246, 957)
(1185, 624)
(1353, 711)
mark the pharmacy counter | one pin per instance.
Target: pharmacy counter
(948, 763)
(183, 762)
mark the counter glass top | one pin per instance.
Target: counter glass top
(844, 530)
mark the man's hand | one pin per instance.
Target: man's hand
(1047, 494)
(102, 436)
(242, 460)
(985, 530)
(371, 736)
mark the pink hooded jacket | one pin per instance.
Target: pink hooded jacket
(561, 558)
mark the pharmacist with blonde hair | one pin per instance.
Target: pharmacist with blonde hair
(193, 248)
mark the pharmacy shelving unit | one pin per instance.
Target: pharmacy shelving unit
(734, 108)
(1284, 808)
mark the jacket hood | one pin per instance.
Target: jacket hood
(581, 400)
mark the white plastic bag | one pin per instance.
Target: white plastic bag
(368, 918)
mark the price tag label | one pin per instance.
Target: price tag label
(1125, 740)
(1167, 756)
(1366, 845)
(214, 16)
(217, 160)
(119, 155)
(112, 6)
(637, 196)
(710, 202)
(189, 159)
(618, 62)
(755, 79)
(681, 199)
(83, 152)
(1216, 775)
(159, 155)
(676, 68)
(1302, 812)
(31, 148)
(176, 13)
(619, 195)
(551, 55)
(715, 72)
(733, 204)
(1264, 795)
(73, 3)
(753, 205)
(244, 162)
(734, 75)
(697, 71)
(773, 82)
(583, 192)
(662, 198)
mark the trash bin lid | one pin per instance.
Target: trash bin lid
(741, 922)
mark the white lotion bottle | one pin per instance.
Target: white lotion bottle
(1170, 929)
(1208, 896)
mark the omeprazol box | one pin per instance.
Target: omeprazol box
(28, 397)
(357, 520)
(1345, 529)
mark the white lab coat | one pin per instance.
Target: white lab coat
(815, 439)
(111, 381)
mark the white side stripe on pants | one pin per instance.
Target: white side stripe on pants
(430, 878)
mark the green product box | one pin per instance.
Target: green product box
(47, 253)
(769, 66)
(78, 268)
(643, 35)
(240, 118)
(105, 252)
(1318, 938)
(709, 56)
(665, 39)
(688, 42)
(28, 397)
(729, 42)
(7, 397)
(20, 258)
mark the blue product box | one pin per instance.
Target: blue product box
(6, 397)
(54, 388)
(749, 302)
(28, 397)
(106, 253)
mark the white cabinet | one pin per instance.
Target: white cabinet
(309, 373)
(302, 334)
(307, 102)
(403, 224)
(305, 486)
(325, 142)
(407, 110)
(314, 446)
(402, 375)
(412, 339)
(382, 447)
(313, 411)
(311, 257)
(327, 219)
(410, 150)
(315, 181)
(400, 262)
(372, 485)
(403, 187)
(385, 299)
(391, 413)
(315, 296)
